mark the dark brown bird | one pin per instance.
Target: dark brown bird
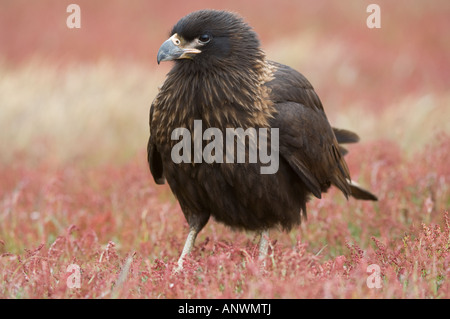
(221, 76)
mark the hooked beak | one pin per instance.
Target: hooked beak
(173, 49)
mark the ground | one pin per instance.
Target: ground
(77, 201)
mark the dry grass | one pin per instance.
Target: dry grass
(92, 112)
(98, 112)
(75, 187)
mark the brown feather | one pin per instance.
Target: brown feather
(231, 84)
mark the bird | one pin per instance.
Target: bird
(222, 79)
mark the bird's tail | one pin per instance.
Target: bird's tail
(360, 193)
(345, 137)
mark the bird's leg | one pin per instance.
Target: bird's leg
(188, 245)
(263, 246)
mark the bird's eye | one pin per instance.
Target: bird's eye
(204, 38)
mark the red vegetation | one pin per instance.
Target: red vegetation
(125, 234)
(403, 52)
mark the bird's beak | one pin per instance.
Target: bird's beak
(174, 48)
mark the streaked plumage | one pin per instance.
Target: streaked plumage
(222, 77)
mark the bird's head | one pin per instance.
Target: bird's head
(209, 37)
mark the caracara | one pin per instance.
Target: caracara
(222, 81)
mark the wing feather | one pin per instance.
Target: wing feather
(307, 141)
(154, 157)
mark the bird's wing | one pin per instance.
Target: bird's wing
(307, 141)
(154, 157)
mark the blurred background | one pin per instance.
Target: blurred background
(84, 94)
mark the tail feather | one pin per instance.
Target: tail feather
(345, 136)
(360, 193)
(343, 150)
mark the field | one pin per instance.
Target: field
(80, 215)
